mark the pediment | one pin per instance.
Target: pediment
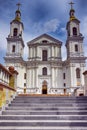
(45, 38)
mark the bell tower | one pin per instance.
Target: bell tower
(74, 43)
(15, 43)
(76, 61)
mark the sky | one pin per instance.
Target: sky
(39, 17)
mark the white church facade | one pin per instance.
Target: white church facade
(44, 72)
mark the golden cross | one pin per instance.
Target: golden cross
(18, 5)
(71, 3)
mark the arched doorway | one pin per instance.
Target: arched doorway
(44, 87)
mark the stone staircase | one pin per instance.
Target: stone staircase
(45, 113)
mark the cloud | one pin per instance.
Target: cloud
(84, 32)
(27, 37)
(41, 16)
(84, 26)
(51, 26)
(4, 31)
(46, 27)
(64, 52)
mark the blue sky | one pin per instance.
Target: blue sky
(41, 16)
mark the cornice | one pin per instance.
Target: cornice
(15, 39)
(74, 38)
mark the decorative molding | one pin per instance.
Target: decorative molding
(15, 39)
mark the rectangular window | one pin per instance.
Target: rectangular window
(44, 55)
(24, 75)
(76, 48)
(13, 48)
(24, 84)
(64, 76)
(64, 84)
(44, 71)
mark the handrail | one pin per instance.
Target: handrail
(2, 85)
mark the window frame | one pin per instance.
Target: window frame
(44, 55)
(13, 48)
(74, 31)
(15, 32)
(25, 75)
(76, 48)
(78, 75)
(64, 75)
(44, 71)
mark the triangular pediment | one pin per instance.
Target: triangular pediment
(45, 38)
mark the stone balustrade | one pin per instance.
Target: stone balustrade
(6, 95)
(7, 85)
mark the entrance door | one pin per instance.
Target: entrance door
(44, 89)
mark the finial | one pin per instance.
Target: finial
(18, 5)
(71, 3)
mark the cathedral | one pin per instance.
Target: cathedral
(45, 72)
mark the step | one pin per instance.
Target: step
(51, 96)
(59, 102)
(58, 110)
(45, 108)
(43, 112)
(53, 103)
(43, 117)
(43, 123)
(42, 128)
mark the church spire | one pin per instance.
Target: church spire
(18, 13)
(72, 12)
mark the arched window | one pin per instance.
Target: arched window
(74, 31)
(76, 48)
(44, 55)
(44, 71)
(15, 32)
(13, 48)
(77, 73)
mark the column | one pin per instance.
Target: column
(37, 77)
(34, 76)
(36, 51)
(52, 77)
(56, 52)
(59, 78)
(31, 77)
(33, 73)
(59, 52)
(72, 76)
(56, 78)
(31, 52)
(52, 51)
